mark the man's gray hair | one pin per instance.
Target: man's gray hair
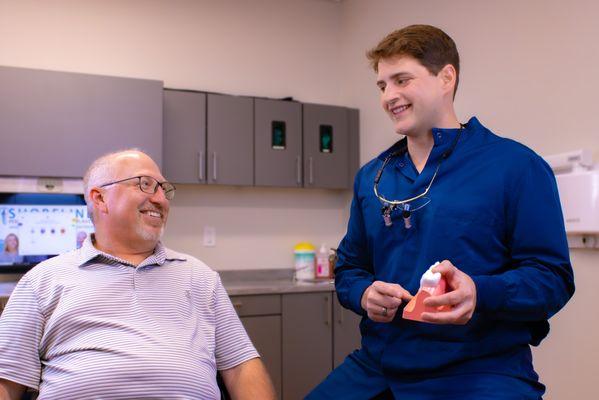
(100, 172)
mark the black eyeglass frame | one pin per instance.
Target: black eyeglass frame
(168, 188)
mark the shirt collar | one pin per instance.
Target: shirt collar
(401, 146)
(444, 136)
(161, 254)
(441, 137)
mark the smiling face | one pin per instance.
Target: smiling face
(130, 217)
(414, 99)
(11, 243)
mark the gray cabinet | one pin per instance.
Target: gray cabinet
(353, 120)
(346, 332)
(278, 143)
(261, 317)
(307, 342)
(235, 140)
(55, 123)
(184, 136)
(265, 332)
(326, 146)
(230, 144)
(300, 336)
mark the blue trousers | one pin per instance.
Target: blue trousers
(358, 379)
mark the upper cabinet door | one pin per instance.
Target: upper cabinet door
(278, 143)
(230, 140)
(184, 136)
(353, 120)
(326, 146)
(56, 123)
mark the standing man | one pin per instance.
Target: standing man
(123, 317)
(485, 206)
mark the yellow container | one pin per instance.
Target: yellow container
(304, 256)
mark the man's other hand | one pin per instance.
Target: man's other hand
(381, 300)
(10, 390)
(460, 296)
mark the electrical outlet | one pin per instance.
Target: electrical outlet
(209, 236)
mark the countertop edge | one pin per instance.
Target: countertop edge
(239, 288)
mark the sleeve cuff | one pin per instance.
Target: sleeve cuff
(355, 296)
(490, 293)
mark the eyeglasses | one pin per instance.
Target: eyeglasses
(149, 185)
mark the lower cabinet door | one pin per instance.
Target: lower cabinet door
(265, 332)
(307, 342)
(346, 332)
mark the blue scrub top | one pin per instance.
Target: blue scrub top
(494, 212)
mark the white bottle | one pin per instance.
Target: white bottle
(323, 269)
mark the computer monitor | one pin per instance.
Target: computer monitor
(37, 226)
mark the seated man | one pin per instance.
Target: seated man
(124, 317)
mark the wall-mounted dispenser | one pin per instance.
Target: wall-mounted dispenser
(578, 184)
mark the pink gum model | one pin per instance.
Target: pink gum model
(416, 307)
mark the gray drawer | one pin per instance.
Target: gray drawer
(257, 305)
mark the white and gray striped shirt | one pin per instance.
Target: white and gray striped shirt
(87, 325)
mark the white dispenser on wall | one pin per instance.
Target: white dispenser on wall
(578, 183)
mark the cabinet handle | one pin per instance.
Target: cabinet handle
(311, 170)
(214, 164)
(341, 313)
(237, 304)
(298, 169)
(201, 165)
(327, 311)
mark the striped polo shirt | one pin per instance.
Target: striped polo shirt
(88, 325)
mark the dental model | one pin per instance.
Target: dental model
(431, 284)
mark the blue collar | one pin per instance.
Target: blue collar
(441, 137)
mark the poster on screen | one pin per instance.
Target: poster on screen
(45, 230)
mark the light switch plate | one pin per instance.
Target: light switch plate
(209, 236)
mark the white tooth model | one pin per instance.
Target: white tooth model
(429, 278)
(431, 284)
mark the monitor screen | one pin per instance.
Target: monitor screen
(35, 227)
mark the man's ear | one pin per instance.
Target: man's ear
(448, 76)
(97, 198)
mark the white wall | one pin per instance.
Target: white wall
(270, 48)
(273, 48)
(529, 72)
(529, 68)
